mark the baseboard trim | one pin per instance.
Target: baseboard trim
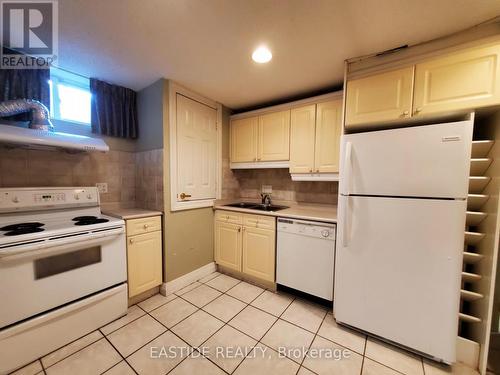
(179, 283)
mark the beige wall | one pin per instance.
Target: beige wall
(189, 242)
(36, 168)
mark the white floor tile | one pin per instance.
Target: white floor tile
(245, 292)
(209, 277)
(253, 322)
(71, 348)
(155, 301)
(326, 357)
(133, 313)
(162, 360)
(232, 342)
(196, 365)
(341, 335)
(305, 314)
(224, 307)
(394, 357)
(201, 295)
(373, 368)
(188, 288)
(273, 303)
(136, 334)
(197, 328)
(294, 340)
(31, 369)
(173, 312)
(223, 282)
(121, 368)
(264, 360)
(94, 359)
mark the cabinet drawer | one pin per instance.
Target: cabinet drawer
(144, 225)
(259, 221)
(228, 217)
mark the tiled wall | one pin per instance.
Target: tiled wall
(34, 168)
(247, 183)
(149, 179)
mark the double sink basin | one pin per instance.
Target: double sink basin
(257, 206)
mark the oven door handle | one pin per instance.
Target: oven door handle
(58, 246)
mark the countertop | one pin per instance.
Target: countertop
(305, 211)
(131, 213)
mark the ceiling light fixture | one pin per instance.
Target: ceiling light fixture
(262, 55)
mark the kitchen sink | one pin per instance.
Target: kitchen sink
(242, 205)
(256, 206)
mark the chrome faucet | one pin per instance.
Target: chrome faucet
(266, 199)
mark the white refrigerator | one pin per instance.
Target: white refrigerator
(402, 207)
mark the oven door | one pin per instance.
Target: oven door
(37, 277)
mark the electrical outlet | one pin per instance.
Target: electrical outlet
(102, 187)
(267, 189)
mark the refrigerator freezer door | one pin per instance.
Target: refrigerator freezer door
(397, 270)
(422, 161)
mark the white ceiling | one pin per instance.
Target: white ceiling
(206, 44)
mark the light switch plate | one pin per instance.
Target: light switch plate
(102, 187)
(267, 189)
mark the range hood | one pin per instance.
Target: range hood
(37, 138)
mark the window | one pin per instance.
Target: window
(69, 96)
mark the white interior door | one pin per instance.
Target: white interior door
(196, 149)
(398, 270)
(421, 161)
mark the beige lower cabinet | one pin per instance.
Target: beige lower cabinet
(248, 246)
(259, 253)
(144, 254)
(228, 245)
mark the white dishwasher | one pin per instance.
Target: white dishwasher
(306, 256)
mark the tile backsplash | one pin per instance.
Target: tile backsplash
(38, 168)
(247, 183)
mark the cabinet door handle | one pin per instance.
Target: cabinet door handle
(131, 240)
(184, 196)
(239, 229)
(310, 170)
(317, 170)
(417, 111)
(405, 114)
(146, 226)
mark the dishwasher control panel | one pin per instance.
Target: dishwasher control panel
(307, 228)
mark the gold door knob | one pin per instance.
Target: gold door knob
(131, 240)
(146, 226)
(184, 195)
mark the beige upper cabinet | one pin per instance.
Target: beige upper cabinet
(261, 138)
(379, 98)
(302, 139)
(315, 137)
(274, 136)
(463, 80)
(328, 132)
(244, 140)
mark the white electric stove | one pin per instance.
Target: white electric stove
(62, 270)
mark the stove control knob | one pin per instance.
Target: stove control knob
(325, 233)
(89, 196)
(77, 197)
(15, 200)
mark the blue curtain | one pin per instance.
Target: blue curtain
(113, 110)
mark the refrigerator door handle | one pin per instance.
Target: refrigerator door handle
(347, 168)
(345, 222)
